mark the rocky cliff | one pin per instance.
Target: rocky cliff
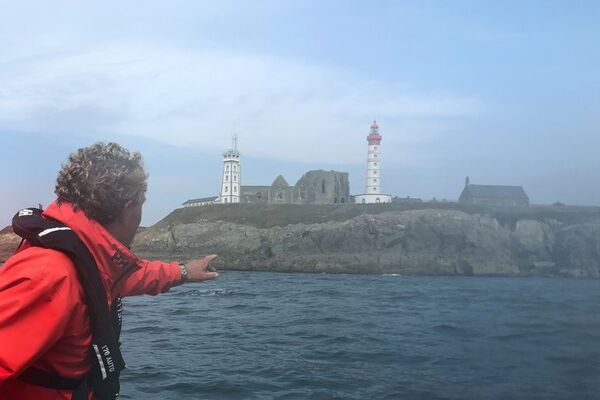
(427, 239)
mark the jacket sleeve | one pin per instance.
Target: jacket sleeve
(153, 277)
(34, 310)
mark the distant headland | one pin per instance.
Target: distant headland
(430, 238)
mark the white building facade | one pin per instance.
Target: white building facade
(373, 193)
(230, 184)
(205, 201)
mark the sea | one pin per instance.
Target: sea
(260, 335)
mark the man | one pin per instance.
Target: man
(58, 338)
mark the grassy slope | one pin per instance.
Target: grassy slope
(266, 216)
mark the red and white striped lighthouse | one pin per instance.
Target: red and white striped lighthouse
(373, 187)
(373, 165)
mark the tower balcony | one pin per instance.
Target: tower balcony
(231, 154)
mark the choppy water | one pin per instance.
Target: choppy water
(302, 336)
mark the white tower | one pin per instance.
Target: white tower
(373, 193)
(230, 184)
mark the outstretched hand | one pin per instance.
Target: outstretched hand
(200, 270)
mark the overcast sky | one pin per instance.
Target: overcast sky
(504, 92)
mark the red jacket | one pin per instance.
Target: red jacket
(44, 321)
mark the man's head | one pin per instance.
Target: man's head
(108, 183)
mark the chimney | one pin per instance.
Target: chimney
(467, 181)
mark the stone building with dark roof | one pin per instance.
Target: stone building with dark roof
(498, 195)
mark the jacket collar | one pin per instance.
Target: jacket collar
(112, 257)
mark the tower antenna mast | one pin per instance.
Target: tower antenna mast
(234, 141)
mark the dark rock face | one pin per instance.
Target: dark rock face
(430, 241)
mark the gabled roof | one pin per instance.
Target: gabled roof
(496, 191)
(201, 200)
(280, 181)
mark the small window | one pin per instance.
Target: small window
(374, 179)
(235, 189)
(234, 168)
(375, 172)
(235, 178)
(375, 147)
(259, 195)
(375, 164)
(226, 188)
(363, 201)
(226, 177)
(227, 168)
(373, 189)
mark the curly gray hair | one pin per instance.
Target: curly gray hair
(101, 179)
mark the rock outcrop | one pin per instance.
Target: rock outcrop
(442, 239)
(8, 243)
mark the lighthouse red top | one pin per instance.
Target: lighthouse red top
(374, 137)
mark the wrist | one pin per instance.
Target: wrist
(184, 273)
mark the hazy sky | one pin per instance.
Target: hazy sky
(504, 92)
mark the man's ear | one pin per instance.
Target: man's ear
(129, 204)
(126, 211)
